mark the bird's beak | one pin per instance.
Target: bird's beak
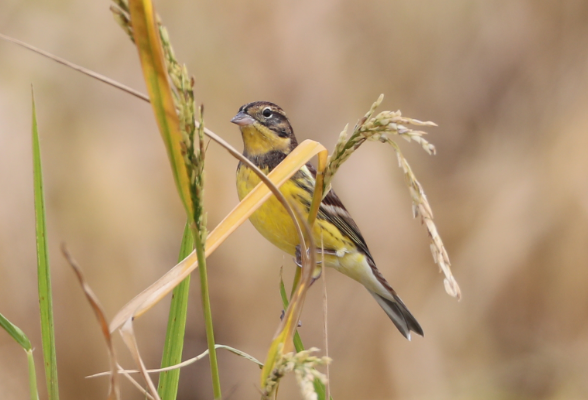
(242, 119)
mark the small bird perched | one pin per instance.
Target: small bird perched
(268, 138)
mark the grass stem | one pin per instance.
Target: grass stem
(207, 313)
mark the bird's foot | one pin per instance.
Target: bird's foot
(282, 318)
(319, 252)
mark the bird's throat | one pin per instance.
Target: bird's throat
(259, 140)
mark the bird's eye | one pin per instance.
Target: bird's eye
(267, 112)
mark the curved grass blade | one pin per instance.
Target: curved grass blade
(150, 296)
(17, 334)
(155, 73)
(114, 390)
(176, 328)
(43, 271)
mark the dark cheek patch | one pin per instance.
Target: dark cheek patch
(278, 125)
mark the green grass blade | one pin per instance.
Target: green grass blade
(176, 328)
(17, 334)
(43, 272)
(319, 387)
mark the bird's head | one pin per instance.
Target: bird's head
(264, 128)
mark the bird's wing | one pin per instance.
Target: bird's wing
(333, 211)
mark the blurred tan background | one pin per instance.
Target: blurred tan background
(507, 82)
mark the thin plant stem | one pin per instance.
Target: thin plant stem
(325, 315)
(32, 376)
(207, 313)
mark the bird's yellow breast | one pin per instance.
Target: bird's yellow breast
(271, 219)
(275, 224)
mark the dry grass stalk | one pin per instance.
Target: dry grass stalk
(114, 390)
(380, 128)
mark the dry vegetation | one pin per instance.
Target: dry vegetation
(507, 83)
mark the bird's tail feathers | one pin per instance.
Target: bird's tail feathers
(399, 314)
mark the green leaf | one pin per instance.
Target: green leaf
(176, 328)
(17, 334)
(43, 271)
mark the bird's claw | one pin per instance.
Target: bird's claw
(298, 255)
(282, 318)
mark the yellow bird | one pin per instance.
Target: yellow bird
(268, 138)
